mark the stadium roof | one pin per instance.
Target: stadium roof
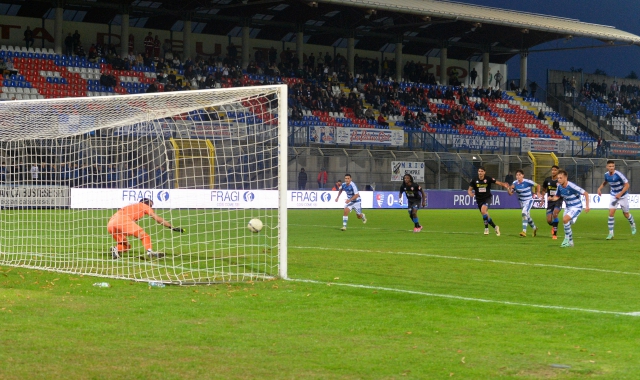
(424, 26)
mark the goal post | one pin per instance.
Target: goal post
(209, 160)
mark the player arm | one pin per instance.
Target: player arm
(503, 184)
(424, 197)
(165, 223)
(538, 193)
(355, 196)
(586, 201)
(601, 187)
(624, 189)
(339, 192)
(470, 191)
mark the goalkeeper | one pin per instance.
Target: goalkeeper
(123, 224)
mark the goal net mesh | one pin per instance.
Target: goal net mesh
(209, 161)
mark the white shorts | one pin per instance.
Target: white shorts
(573, 212)
(526, 206)
(623, 202)
(357, 206)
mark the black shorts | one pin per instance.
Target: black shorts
(554, 205)
(482, 202)
(415, 203)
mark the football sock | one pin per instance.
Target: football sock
(490, 221)
(485, 219)
(611, 222)
(568, 234)
(415, 222)
(630, 219)
(344, 221)
(531, 223)
(524, 224)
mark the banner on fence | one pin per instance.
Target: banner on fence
(322, 134)
(528, 144)
(400, 168)
(34, 196)
(624, 148)
(478, 142)
(369, 136)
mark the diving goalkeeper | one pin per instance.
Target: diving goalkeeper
(123, 224)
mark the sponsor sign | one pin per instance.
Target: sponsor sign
(224, 199)
(369, 136)
(34, 196)
(446, 199)
(528, 144)
(400, 168)
(624, 148)
(322, 135)
(478, 142)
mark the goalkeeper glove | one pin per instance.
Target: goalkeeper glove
(178, 229)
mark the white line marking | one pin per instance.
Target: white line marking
(478, 260)
(448, 296)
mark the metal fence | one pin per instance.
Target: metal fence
(372, 168)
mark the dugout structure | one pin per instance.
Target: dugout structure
(210, 160)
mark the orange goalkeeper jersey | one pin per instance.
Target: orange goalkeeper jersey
(134, 212)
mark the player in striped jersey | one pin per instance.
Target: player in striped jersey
(352, 202)
(523, 187)
(571, 193)
(619, 187)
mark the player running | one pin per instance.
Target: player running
(619, 187)
(416, 197)
(571, 193)
(523, 187)
(352, 202)
(481, 186)
(123, 224)
(550, 187)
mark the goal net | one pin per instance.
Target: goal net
(210, 161)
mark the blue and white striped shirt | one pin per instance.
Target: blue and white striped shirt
(524, 189)
(616, 182)
(351, 190)
(571, 194)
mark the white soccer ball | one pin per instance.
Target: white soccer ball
(255, 225)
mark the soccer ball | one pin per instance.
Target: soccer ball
(255, 225)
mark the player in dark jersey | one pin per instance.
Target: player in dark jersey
(550, 187)
(416, 198)
(481, 186)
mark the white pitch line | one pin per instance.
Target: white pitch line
(449, 296)
(478, 260)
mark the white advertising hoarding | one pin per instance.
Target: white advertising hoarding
(183, 198)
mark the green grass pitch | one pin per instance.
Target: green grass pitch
(374, 302)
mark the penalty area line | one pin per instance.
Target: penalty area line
(470, 299)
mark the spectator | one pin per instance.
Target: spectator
(28, 37)
(167, 50)
(322, 178)
(509, 179)
(302, 179)
(382, 121)
(337, 186)
(498, 79)
(472, 76)
(541, 115)
(76, 40)
(556, 125)
(534, 87)
(68, 44)
(148, 44)
(156, 48)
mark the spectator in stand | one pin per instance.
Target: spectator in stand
(534, 87)
(473, 74)
(148, 44)
(76, 40)
(167, 50)
(498, 79)
(382, 121)
(302, 179)
(156, 48)
(541, 115)
(323, 177)
(68, 44)
(337, 186)
(556, 126)
(28, 37)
